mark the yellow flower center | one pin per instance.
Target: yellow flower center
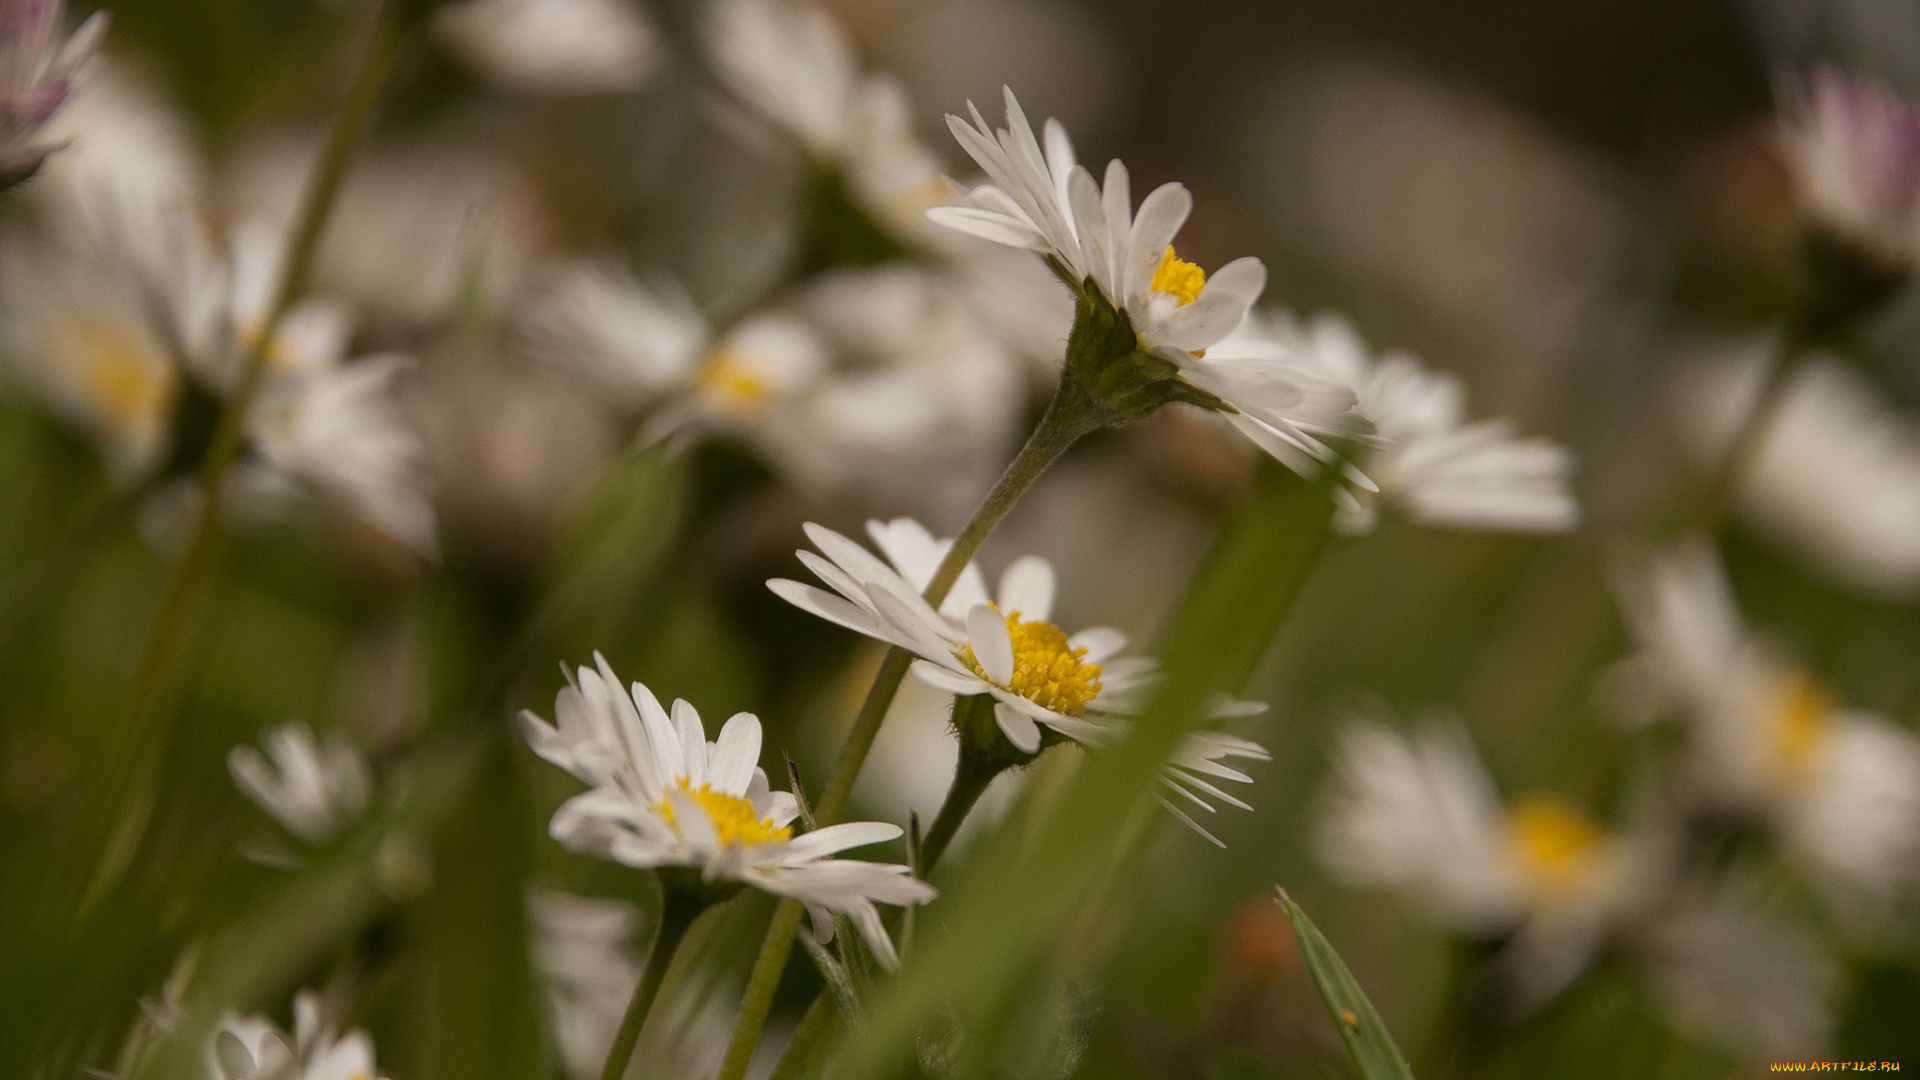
(1798, 720)
(1178, 278)
(1557, 847)
(1046, 670)
(732, 384)
(733, 817)
(121, 380)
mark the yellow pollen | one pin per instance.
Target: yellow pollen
(1558, 847)
(118, 376)
(733, 817)
(732, 384)
(1046, 670)
(1798, 720)
(1179, 278)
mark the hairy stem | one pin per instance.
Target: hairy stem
(676, 914)
(1072, 414)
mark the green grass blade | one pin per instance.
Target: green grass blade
(1366, 1038)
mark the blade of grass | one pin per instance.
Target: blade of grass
(1365, 1037)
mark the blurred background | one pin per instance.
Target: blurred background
(1564, 204)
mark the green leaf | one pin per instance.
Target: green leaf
(1360, 1028)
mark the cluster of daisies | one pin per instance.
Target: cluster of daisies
(138, 294)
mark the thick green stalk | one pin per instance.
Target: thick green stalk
(128, 787)
(1071, 414)
(677, 912)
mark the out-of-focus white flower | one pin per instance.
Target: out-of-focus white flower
(415, 235)
(1840, 786)
(792, 64)
(1421, 816)
(338, 430)
(1739, 978)
(1051, 205)
(1853, 149)
(662, 796)
(1003, 646)
(563, 46)
(922, 402)
(1834, 471)
(582, 948)
(1427, 460)
(36, 77)
(313, 789)
(252, 1048)
(80, 337)
(648, 344)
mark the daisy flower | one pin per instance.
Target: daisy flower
(563, 46)
(37, 74)
(313, 789)
(253, 1048)
(1420, 815)
(582, 949)
(1736, 976)
(1078, 687)
(792, 64)
(1833, 471)
(1853, 150)
(664, 797)
(649, 345)
(1049, 204)
(1426, 458)
(1840, 786)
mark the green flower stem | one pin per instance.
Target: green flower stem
(128, 787)
(1073, 413)
(970, 781)
(677, 912)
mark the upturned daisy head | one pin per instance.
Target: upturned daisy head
(1148, 316)
(1002, 644)
(664, 797)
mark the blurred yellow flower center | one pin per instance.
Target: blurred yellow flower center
(733, 817)
(1557, 847)
(1046, 670)
(1179, 278)
(123, 382)
(731, 383)
(1799, 718)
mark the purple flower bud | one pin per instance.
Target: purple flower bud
(36, 77)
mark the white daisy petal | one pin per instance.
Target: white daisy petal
(992, 644)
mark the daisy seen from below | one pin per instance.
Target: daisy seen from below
(793, 66)
(664, 798)
(1764, 740)
(312, 788)
(1420, 815)
(1001, 645)
(1832, 470)
(1425, 459)
(583, 952)
(1147, 318)
(253, 1048)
